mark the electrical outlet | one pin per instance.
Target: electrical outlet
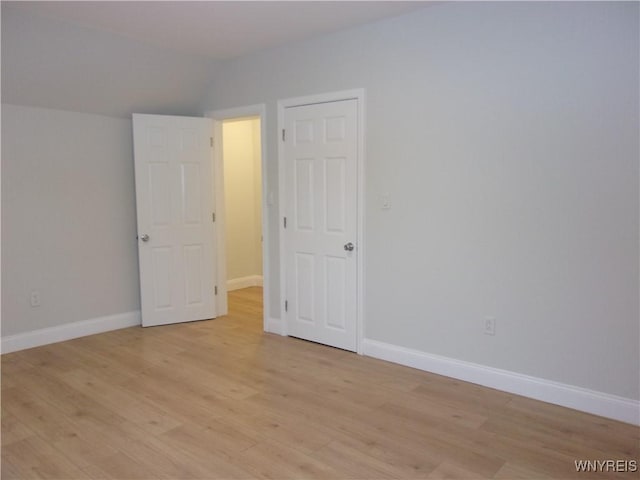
(489, 326)
(34, 298)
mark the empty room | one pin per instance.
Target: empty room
(329, 240)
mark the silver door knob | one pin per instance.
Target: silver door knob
(349, 247)
(144, 237)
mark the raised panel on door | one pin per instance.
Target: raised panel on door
(305, 287)
(162, 272)
(159, 193)
(193, 260)
(321, 159)
(190, 182)
(304, 194)
(174, 197)
(335, 194)
(335, 290)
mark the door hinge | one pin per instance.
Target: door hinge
(286, 305)
(283, 135)
(211, 141)
(215, 290)
(213, 217)
(285, 222)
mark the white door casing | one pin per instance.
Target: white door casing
(320, 152)
(174, 202)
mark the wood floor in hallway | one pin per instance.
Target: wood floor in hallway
(220, 399)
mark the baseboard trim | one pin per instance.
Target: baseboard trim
(589, 401)
(244, 282)
(45, 336)
(274, 325)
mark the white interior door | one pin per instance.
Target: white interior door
(320, 155)
(174, 199)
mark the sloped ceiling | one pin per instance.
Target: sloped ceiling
(115, 58)
(57, 64)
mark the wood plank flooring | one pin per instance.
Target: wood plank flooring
(220, 399)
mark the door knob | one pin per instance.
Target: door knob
(349, 247)
(144, 237)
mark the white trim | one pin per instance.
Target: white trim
(361, 244)
(255, 110)
(354, 94)
(244, 282)
(45, 336)
(590, 401)
(359, 95)
(259, 110)
(275, 325)
(282, 198)
(221, 242)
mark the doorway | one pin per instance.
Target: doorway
(242, 165)
(182, 230)
(249, 123)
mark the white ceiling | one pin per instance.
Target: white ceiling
(219, 29)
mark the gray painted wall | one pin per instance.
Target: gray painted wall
(507, 137)
(68, 218)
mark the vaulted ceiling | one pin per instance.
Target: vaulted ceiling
(114, 58)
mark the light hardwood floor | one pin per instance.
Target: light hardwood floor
(221, 399)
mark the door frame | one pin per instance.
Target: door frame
(355, 94)
(219, 116)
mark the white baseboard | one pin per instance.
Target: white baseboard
(45, 336)
(275, 325)
(244, 282)
(598, 403)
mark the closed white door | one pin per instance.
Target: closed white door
(321, 255)
(174, 199)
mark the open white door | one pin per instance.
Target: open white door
(321, 254)
(174, 199)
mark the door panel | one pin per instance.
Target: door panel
(174, 201)
(304, 194)
(191, 208)
(162, 260)
(321, 158)
(335, 286)
(335, 193)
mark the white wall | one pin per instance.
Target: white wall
(68, 218)
(242, 191)
(506, 134)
